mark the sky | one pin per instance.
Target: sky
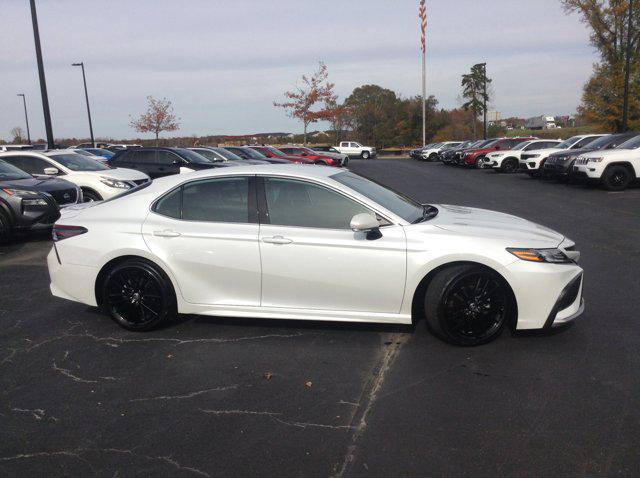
(223, 63)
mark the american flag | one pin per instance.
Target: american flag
(422, 13)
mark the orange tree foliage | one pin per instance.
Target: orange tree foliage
(159, 117)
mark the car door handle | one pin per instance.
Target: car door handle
(277, 240)
(166, 233)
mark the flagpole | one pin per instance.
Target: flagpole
(422, 14)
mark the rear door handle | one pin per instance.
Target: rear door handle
(166, 233)
(277, 240)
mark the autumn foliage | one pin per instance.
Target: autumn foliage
(159, 117)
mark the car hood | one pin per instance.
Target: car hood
(40, 183)
(491, 224)
(123, 174)
(546, 151)
(611, 153)
(571, 153)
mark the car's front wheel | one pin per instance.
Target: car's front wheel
(365, 155)
(509, 165)
(480, 162)
(90, 196)
(468, 305)
(616, 178)
(138, 295)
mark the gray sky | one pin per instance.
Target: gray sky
(222, 63)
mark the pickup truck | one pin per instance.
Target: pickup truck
(356, 150)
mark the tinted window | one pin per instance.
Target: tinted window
(210, 155)
(227, 154)
(166, 157)
(10, 172)
(192, 156)
(142, 157)
(302, 204)
(169, 205)
(28, 164)
(216, 200)
(633, 143)
(583, 142)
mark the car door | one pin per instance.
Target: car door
(168, 163)
(206, 231)
(311, 259)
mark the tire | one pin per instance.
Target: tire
(433, 157)
(468, 305)
(138, 295)
(616, 178)
(479, 162)
(90, 196)
(365, 155)
(509, 166)
(5, 230)
(320, 163)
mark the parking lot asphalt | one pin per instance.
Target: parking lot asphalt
(229, 397)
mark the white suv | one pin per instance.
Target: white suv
(431, 154)
(97, 181)
(615, 168)
(507, 161)
(356, 150)
(533, 161)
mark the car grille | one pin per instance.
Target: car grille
(65, 196)
(581, 161)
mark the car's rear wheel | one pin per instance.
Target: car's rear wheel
(509, 165)
(138, 295)
(5, 231)
(365, 155)
(320, 163)
(616, 178)
(468, 305)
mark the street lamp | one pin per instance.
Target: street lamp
(43, 83)
(627, 68)
(26, 117)
(86, 95)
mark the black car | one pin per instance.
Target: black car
(560, 165)
(460, 152)
(158, 162)
(217, 155)
(249, 153)
(447, 156)
(28, 203)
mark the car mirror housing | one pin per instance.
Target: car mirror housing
(363, 222)
(51, 171)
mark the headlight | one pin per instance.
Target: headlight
(595, 160)
(34, 202)
(552, 256)
(21, 193)
(114, 183)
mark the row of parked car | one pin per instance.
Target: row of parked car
(35, 184)
(612, 160)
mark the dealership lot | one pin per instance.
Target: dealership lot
(215, 396)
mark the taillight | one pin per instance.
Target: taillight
(60, 232)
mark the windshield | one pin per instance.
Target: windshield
(522, 145)
(567, 143)
(275, 151)
(9, 172)
(253, 154)
(78, 162)
(633, 143)
(192, 156)
(210, 155)
(227, 154)
(398, 204)
(600, 143)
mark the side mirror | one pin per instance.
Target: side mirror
(368, 223)
(51, 171)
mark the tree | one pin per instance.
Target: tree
(315, 90)
(373, 114)
(473, 85)
(17, 134)
(159, 117)
(336, 115)
(603, 95)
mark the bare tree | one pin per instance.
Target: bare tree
(17, 133)
(315, 89)
(159, 117)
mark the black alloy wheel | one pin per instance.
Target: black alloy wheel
(138, 296)
(616, 178)
(90, 196)
(468, 305)
(509, 165)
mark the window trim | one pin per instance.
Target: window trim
(264, 208)
(252, 217)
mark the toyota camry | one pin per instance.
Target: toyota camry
(311, 243)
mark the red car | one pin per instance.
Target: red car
(271, 152)
(313, 156)
(475, 157)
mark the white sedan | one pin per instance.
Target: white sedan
(311, 243)
(97, 180)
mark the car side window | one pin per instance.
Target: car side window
(216, 200)
(302, 204)
(170, 205)
(167, 158)
(582, 143)
(28, 164)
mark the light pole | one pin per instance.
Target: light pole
(26, 117)
(627, 68)
(43, 83)
(86, 96)
(484, 99)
